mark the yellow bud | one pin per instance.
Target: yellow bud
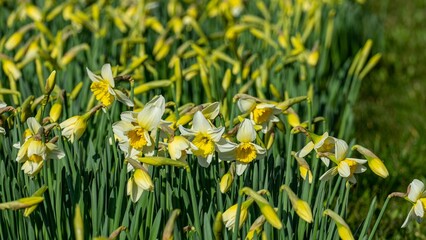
(256, 227)
(38, 193)
(374, 162)
(11, 69)
(145, 87)
(266, 209)
(313, 58)
(50, 83)
(33, 12)
(70, 55)
(218, 226)
(161, 161)
(76, 91)
(226, 182)
(301, 207)
(226, 82)
(168, 230)
(229, 215)
(78, 224)
(55, 111)
(21, 203)
(342, 228)
(14, 40)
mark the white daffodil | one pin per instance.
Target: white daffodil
(245, 151)
(263, 114)
(204, 136)
(179, 147)
(140, 181)
(136, 130)
(346, 167)
(103, 87)
(74, 127)
(34, 152)
(321, 144)
(416, 194)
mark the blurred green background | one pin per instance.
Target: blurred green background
(390, 114)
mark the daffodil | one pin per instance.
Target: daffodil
(304, 169)
(34, 151)
(245, 151)
(320, 144)
(416, 194)
(263, 114)
(74, 127)
(103, 87)
(140, 181)
(179, 147)
(204, 136)
(374, 162)
(346, 167)
(229, 215)
(135, 130)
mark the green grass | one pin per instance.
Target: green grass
(186, 65)
(390, 112)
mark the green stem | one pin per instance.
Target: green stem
(194, 204)
(237, 216)
(379, 218)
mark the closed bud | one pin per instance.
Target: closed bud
(14, 40)
(374, 162)
(21, 203)
(78, 224)
(168, 230)
(226, 182)
(55, 111)
(50, 83)
(218, 226)
(301, 207)
(342, 228)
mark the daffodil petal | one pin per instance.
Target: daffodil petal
(341, 148)
(306, 149)
(33, 125)
(329, 174)
(411, 215)
(200, 123)
(216, 133)
(344, 169)
(240, 168)
(106, 74)
(246, 132)
(418, 209)
(123, 98)
(92, 76)
(415, 190)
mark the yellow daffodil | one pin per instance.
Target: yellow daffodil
(229, 215)
(301, 207)
(263, 114)
(179, 147)
(204, 136)
(416, 194)
(103, 87)
(34, 152)
(304, 169)
(140, 181)
(246, 151)
(346, 167)
(135, 130)
(342, 228)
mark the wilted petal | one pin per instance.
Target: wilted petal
(123, 98)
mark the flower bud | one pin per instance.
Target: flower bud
(50, 83)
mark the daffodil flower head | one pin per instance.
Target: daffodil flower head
(204, 136)
(140, 181)
(74, 127)
(346, 167)
(103, 87)
(179, 147)
(229, 215)
(263, 114)
(34, 152)
(416, 194)
(321, 144)
(245, 151)
(135, 130)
